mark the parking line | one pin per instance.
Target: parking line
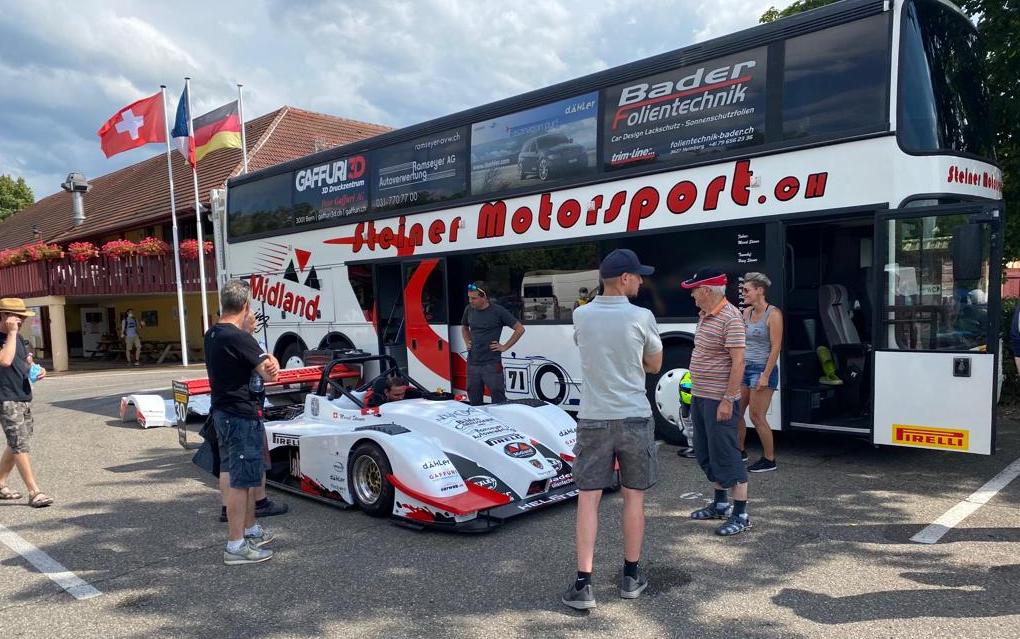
(931, 534)
(72, 583)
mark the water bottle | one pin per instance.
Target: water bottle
(34, 372)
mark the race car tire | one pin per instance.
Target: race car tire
(366, 475)
(675, 355)
(543, 372)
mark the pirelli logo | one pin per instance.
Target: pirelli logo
(927, 437)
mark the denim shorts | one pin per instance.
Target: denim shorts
(601, 442)
(241, 448)
(753, 371)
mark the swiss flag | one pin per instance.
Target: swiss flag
(136, 124)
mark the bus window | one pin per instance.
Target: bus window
(942, 98)
(537, 285)
(936, 284)
(259, 206)
(733, 250)
(836, 80)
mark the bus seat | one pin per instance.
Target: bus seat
(834, 306)
(851, 356)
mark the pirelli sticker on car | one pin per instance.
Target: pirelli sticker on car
(928, 437)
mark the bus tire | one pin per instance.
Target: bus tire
(292, 356)
(543, 372)
(676, 354)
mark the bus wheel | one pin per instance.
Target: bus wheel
(556, 384)
(676, 355)
(293, 356)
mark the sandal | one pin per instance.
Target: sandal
(7, 494)
(39, 500)
(712, 512)
(734, 525)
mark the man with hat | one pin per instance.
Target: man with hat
(15, 403)
(717, 368)
(618, 343)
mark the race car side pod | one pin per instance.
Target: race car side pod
(475, 499)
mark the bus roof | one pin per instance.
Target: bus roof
(816, 19)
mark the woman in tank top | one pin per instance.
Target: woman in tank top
(764, 329)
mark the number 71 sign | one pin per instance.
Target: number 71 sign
(516, 380)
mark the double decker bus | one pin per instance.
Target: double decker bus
(845, 152)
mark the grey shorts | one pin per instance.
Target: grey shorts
(16, 419)
(601, 442)
(241, 448)
(715, 443)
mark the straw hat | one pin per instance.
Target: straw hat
(15, 306)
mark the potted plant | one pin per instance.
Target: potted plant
(82, 251)
(119, 248)
(153, 246)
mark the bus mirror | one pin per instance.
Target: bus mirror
(967, 251)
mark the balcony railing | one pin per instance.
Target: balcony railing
(104, 276)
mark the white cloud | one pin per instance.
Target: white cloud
(395, 63)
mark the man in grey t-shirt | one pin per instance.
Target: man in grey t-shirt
(482, 325)
(618, 343)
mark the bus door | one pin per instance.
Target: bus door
(936, 357)
(426, 325)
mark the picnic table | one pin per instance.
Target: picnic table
(160, 350)
(108, 346)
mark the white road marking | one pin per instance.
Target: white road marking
(72, 583)
(931, 534)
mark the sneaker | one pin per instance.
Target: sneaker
(260, 540)
(248, 554)
(271, 508)
(743, 455)
(631, 588)
(734, 525)
(712, 511)
(762, 466)
(583, 599)
(685, 451)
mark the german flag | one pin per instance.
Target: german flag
(218, 129)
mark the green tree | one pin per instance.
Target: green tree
(998, 22)
(14, 195)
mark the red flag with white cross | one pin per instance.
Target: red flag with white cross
(138, 123)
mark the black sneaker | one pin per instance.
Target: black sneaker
(686, 451)
(762, 466)
(583, 599)
(743, 455)
(631, 588)
(271, 508)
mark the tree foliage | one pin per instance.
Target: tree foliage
(998, 22)
(14, 195)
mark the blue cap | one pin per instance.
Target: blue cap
(622, 261)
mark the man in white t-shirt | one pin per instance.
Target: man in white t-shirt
(129, 333)
(619, 343)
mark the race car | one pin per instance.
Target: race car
(431, 461)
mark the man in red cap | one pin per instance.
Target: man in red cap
(717, 368)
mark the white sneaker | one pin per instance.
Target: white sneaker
(248, 554)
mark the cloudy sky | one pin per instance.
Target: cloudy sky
(65, 67)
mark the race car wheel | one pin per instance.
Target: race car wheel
(369, 469)
(550, 378)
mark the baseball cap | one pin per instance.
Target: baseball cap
(705, 277)
(621, 261)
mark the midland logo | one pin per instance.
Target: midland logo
(285, 293)
(926, 437)
(519, 450)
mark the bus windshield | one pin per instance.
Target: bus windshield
(943, 102)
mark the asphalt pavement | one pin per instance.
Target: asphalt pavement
(829, 555)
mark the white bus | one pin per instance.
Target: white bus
(844, 151)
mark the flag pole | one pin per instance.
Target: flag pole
(244, 139)
(198, 217)
(177, 241)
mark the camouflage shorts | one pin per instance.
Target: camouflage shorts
(16, 419)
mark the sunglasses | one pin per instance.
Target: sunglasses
(477, 289)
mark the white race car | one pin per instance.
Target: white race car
(433, 461)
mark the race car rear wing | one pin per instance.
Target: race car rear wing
(306, 379)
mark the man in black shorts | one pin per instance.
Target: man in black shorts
(237, 368)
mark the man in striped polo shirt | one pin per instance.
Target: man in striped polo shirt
(717, 366)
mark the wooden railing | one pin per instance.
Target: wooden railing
(104, 276)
